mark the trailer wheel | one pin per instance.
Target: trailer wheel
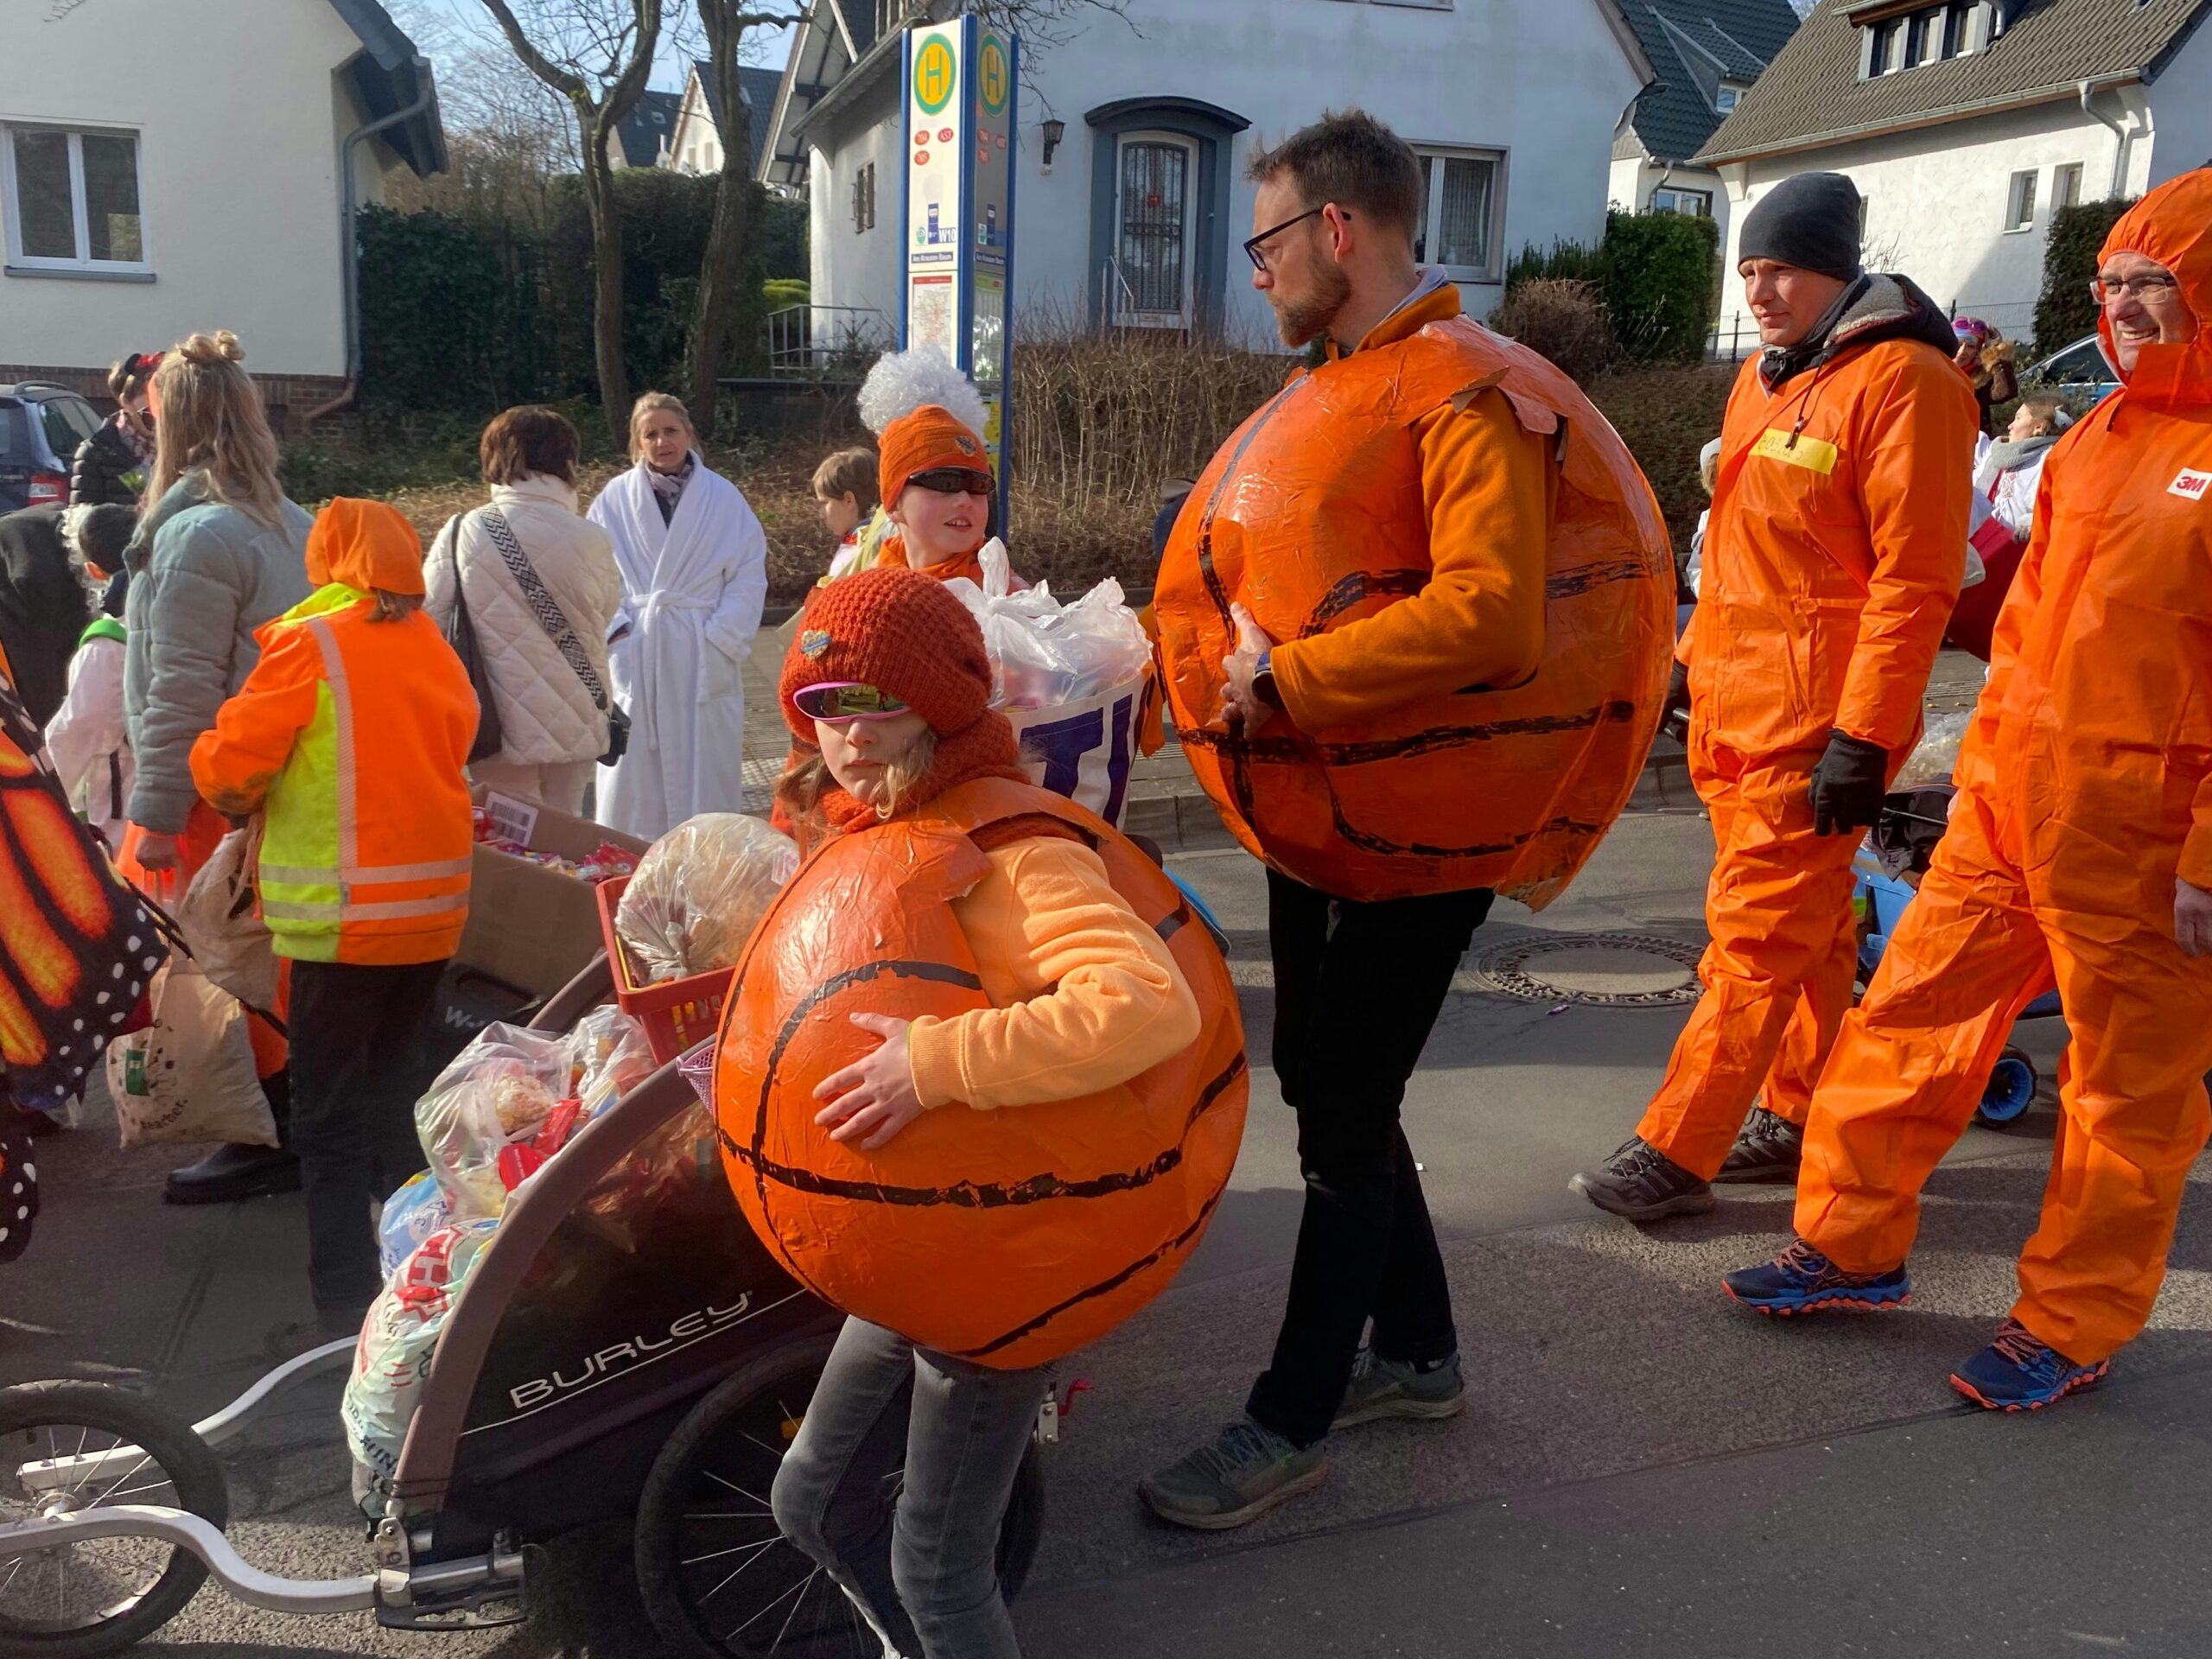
(80, 1601)
(719, 1580)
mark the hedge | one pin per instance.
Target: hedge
(2065, 311)
(461, 314)
(1656, 272)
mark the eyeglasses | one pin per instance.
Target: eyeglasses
(1252, 247)
(846, 700)
(952, 481)
(2104, 289)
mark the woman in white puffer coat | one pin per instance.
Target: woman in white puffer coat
(552, 730)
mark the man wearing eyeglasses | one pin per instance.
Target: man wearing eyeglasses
(2079, 856)
(1415, 621)
(1831, 560)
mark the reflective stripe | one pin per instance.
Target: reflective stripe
(278, 910)
(437, 870)
(383, 911)
(341, 694)
(373, 912)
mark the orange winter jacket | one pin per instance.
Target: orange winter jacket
(1471, 590)
(350, 736)
(1834, 549)
(2092, 739)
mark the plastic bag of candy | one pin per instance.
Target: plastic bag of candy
(398, 1338)
(418, 1209)
(698, 891)
(497, 1092)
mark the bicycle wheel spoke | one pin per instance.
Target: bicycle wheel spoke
(784, 1629)
(144, 1459)
(735, 1487)
(717, 1555)
(796, 1589)
(734, 1571)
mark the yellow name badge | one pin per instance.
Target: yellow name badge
(1814, 454)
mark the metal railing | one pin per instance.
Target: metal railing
(806, 342)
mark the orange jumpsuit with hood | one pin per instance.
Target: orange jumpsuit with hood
(1832, 560)
(2085, 793)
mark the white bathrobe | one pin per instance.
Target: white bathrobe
(691, 595)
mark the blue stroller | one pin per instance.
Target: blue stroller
(1912, 823)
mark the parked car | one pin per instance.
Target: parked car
(2078, 372)
(41, 426)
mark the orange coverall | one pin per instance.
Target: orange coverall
(2086, 790)
(1832, 560)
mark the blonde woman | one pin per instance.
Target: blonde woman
(219, 553)
(695, 572)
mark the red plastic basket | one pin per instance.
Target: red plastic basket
(677, 1014)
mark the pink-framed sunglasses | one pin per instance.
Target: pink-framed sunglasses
(845, 700)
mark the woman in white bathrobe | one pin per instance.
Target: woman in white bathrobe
(694, 565)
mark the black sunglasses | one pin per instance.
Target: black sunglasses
(952, 481)
(1252, 247)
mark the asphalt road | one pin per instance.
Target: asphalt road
(1643, 1469)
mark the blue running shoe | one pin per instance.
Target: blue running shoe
(2020, 1371)
(1802, 1280)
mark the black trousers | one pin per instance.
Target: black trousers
(357, 1040)
(1357, 990)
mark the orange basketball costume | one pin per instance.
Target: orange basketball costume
(1832, 560)
(1005, 1237)
(2085, 792)
(1400, 778)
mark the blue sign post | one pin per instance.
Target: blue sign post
(962, 92)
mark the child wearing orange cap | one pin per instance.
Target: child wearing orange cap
(939, 489)
(888, 684)
(351, 738)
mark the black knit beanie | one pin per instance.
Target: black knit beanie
(1810, 221)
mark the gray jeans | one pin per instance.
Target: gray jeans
(930, 1588)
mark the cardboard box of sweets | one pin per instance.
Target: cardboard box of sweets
(530, 926)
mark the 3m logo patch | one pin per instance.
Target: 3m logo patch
(1814, 454)
(2192, 485)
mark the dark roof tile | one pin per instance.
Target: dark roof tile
(1694, 45)
(1812, 94)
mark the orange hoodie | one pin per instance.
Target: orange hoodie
(350, 736)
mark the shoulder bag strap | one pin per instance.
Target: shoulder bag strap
(550, 616)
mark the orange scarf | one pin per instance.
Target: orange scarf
(895, 555)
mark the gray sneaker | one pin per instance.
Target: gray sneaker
(1237, 1478)
(1389, 1388)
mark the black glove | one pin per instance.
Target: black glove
(1848, 784)
(1674, 707)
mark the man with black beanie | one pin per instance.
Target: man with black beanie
(1832, 558)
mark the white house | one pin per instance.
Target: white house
(1964, 123)
(1132, 200)
(641, 138)
(169, 166)
(696, 145)
(1709, 53)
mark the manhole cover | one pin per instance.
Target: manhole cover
(1613, 971)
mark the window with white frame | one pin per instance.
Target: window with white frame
(1698, 204)
(2020, 201)
(1727, 97)
(2065, 186)
(1462, 206)
(71, 199)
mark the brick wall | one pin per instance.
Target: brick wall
(290, 397)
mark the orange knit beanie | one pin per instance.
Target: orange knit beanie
(928, 438)
(903, 634)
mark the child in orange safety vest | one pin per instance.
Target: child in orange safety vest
(349, 739)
